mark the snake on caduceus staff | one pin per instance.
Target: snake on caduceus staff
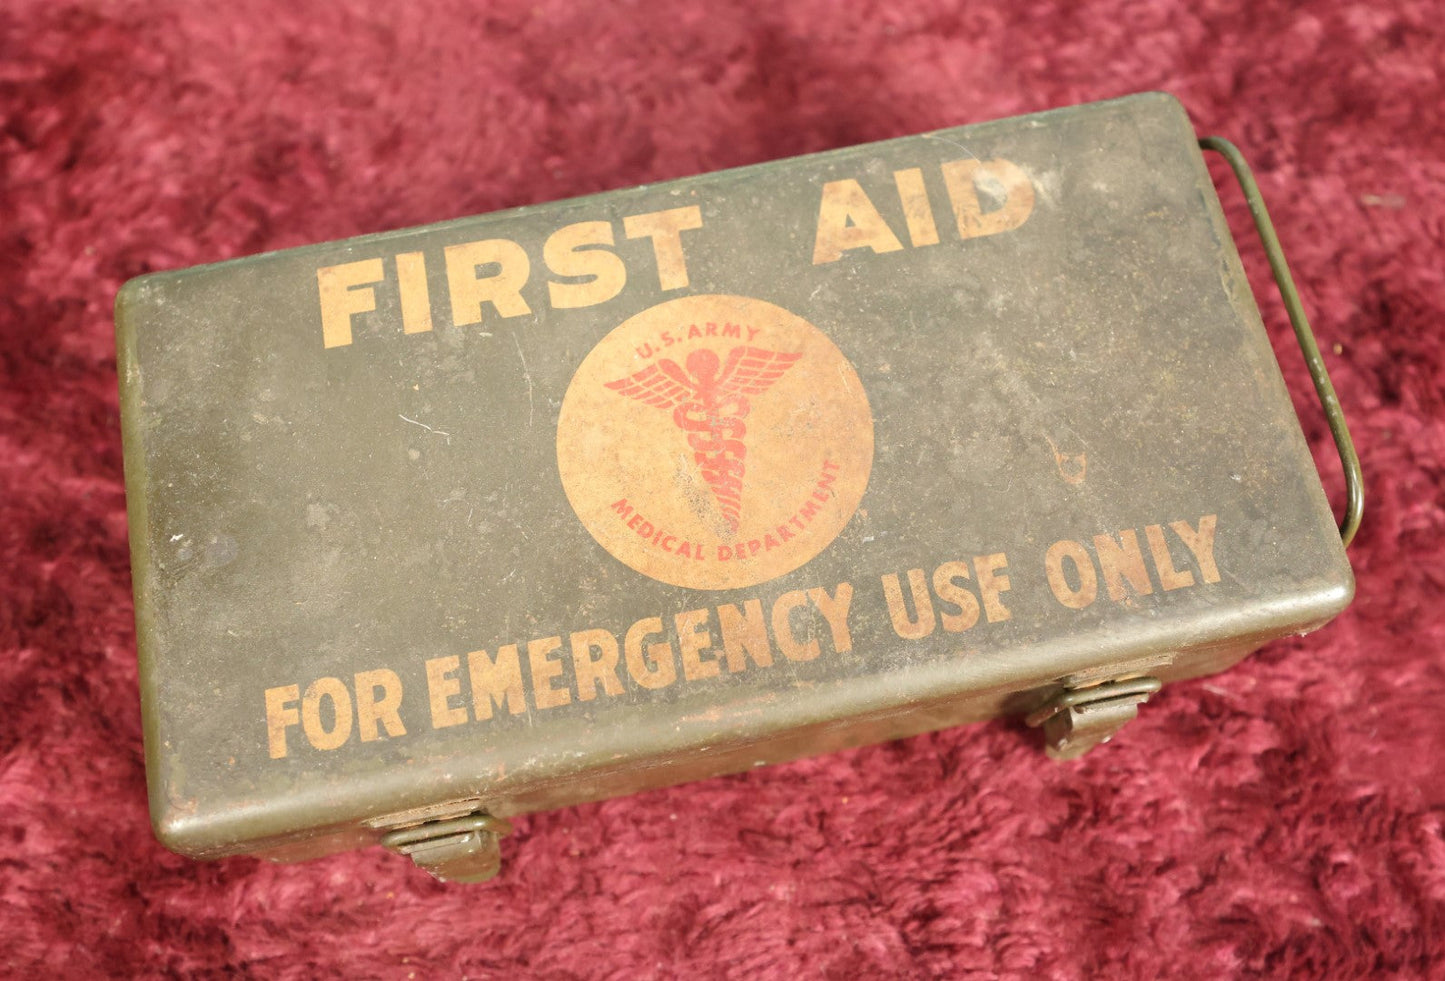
(709, 402)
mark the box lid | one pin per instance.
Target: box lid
(471, 509)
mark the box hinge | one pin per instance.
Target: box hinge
(464, 849)
(1078, 719)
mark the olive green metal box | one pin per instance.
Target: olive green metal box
(443, 525)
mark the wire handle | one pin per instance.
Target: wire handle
(1334, 415)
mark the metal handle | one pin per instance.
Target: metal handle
(1334, 415)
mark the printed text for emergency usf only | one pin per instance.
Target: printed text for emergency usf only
(697, 645)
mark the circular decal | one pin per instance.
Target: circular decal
(715, 442)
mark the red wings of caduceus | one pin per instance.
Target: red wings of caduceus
(710, 405)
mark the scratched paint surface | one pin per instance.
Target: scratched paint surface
(1047, 434)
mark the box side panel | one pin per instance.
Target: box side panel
(131, 310)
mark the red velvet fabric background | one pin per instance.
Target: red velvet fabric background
(1282, 819)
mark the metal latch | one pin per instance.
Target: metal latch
(464, 849)
(1078, 719)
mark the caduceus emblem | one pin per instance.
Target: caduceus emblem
(709, 402)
